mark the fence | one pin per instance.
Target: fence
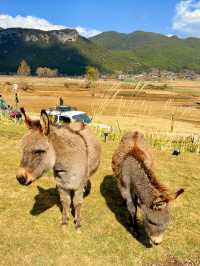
(161, 141)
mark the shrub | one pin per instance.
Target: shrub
(46, 72)
(25, 86)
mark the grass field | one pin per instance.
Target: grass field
(30, 229)
(31, 233)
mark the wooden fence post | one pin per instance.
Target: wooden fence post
(172, 123)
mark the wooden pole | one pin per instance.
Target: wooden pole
(172, 123)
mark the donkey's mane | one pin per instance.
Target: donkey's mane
(139, 155)
(133, 145)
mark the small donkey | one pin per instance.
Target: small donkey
(72, 151)
(132, 164)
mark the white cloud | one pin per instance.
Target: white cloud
(187, 18)
(169, 35)
(28, 22)
(87, 32)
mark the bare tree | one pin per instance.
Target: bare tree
(24, 69)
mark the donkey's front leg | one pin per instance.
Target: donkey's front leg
(77, 201)
(65, 198)
(130, 203)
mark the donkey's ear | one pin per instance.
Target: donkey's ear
(44, 122)
(159, 204)
(178, 193)
(26, 118)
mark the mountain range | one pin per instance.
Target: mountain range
(110, 52)
(153, 49)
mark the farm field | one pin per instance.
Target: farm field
(31, 233)
(138, 105)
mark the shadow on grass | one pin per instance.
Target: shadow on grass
(117, 205)
(47, 198)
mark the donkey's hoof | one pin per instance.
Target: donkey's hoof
(77, 226)
(64, 221)
(64, 228)
(64, 224)
(78, 230)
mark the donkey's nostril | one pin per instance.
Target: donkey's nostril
(21, 179)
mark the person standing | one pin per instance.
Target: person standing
(16, 100)
(14, 88)
(61, 101)
(15, 93)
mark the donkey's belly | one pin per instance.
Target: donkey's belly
(69, 182)
(71, 179)
(73, 182)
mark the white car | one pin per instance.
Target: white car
(69, 116)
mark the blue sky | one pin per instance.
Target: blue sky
(181, 17)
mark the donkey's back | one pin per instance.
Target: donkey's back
(130, 164)
(132, 144)
(93, 149)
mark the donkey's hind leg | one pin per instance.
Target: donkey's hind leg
(65, 198)
(77, 201)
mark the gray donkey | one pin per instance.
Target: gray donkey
(71, 150)
(132, 164)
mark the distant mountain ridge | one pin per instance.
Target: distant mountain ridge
(63, 49)
(153, 49)
(110, 52)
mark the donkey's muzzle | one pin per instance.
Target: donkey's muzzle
(156, 240)
(22, 177)
(23, 180)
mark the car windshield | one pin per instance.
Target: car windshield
(82, 117)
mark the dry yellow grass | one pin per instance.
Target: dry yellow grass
(30, 230)
(145, 109)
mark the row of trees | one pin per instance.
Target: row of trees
(92, 74)
(25, 70)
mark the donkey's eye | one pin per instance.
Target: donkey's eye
(38, 152)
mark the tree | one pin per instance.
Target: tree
(46, 72)
(92, 75)
(24, 69)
